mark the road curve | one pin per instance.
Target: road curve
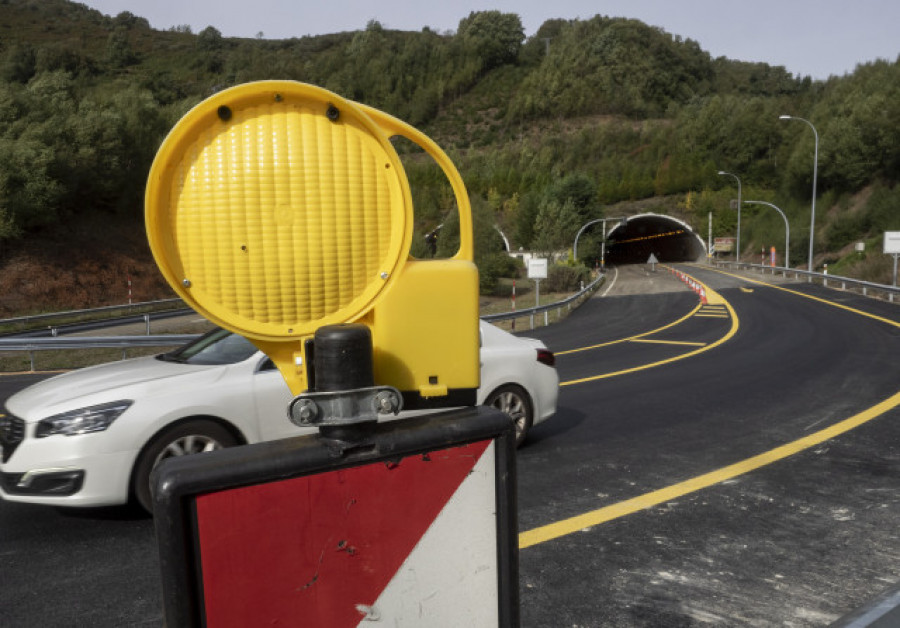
(752, 484)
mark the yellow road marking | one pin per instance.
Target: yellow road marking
(713, 298)
(648, 500)
(631, 338)
(811, 297)
(50, 372)
(747, 290)
(654, 498)
(670, 342)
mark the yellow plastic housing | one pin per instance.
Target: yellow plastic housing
(425, 331)
(271, 218)
(274, 208)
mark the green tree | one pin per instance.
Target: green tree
(555, 227)
(580, 190)
(612, 65)
(29, 192)
(19, 63)
(494, 37)
(119, 53)
(210, 39)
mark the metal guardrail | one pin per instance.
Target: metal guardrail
(31, 345)
(94, 342)
(829, 281)
(109, 309)
(546, 309)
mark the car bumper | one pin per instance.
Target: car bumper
(90, 480)
(546, 391)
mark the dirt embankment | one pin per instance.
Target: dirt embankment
(83, 266)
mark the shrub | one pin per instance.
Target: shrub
(563, 278)
(493, 267)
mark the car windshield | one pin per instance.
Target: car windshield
(216, 347)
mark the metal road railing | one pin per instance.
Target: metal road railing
(829, 281)
(530, 313)
(94, 342)
(32, 345)
(72, 315)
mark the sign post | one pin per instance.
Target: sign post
(892, 247)
(282, 212)
(537, 270)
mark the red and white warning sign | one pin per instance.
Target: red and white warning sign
(405, 542)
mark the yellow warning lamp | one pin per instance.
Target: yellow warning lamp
(275, 208)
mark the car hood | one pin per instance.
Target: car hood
(107, 382)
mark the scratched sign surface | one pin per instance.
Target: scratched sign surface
(365, 552)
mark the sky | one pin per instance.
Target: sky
(816, 38)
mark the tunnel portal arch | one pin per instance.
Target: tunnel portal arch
(669, 239)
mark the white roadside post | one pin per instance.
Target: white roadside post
(537, 270)
(892, 247)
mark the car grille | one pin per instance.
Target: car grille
(12, 432)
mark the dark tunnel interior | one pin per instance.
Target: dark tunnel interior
(669, 239)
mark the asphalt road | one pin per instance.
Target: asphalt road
(677, 445)
(798, 542)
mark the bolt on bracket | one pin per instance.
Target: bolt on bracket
(345, 407)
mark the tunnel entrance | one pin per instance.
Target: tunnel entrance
(668, 238)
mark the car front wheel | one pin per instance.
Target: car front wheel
(514, 401)
(191, 437)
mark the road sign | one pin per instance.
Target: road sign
(724, 245)
(537, 268)
(264, 534)
(892, 242)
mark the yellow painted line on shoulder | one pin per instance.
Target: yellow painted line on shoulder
(648, 500)
(670, 342)
(811, 297)
(50, 372)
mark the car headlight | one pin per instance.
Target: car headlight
(83, 420)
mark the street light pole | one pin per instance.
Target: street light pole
(787, 230)
(812, 220)
(602, 242)
(736, 178)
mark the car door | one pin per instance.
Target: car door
(271, 396)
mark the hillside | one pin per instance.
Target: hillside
(583, 119)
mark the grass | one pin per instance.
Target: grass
(67, 359)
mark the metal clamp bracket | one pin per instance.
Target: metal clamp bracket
(345, 407)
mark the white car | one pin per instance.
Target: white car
(91, 437)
